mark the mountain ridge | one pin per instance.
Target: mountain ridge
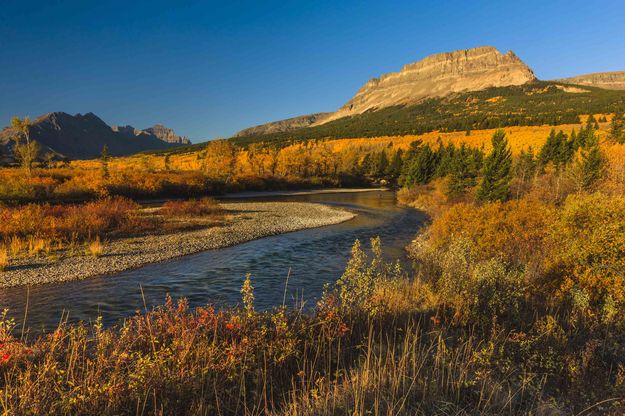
(614, 80)
(287, 124)
(82, 136)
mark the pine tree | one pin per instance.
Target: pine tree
(104, 162)
(591, 166)
(497, 171)
(420, 165)
(366, 166)
(382, 164)
(463, 173)
(617, 128)
(394, 168)
(167, 163)
(445, 157)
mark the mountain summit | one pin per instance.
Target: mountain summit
(437, 76)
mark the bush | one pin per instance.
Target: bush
(110, 216)
(192, 208)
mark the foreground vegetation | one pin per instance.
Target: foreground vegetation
(505, 314)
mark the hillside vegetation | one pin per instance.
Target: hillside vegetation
(534, 104)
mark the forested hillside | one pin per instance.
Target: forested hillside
(533, 104)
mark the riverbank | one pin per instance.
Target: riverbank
(247, 221)
(263, 194)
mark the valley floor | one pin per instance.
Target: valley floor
(246, 221)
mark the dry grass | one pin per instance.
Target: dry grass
(205, 207)
(4, 258)
(95, 248)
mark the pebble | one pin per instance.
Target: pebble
(249, 221)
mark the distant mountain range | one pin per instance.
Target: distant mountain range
(437, 76)
(82, 136)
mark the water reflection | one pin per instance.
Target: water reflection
(313, 257)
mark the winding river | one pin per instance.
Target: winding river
(313, 257)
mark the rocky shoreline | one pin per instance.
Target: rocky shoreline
(248, 221)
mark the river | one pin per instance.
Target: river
(314, 257)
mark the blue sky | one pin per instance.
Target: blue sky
(208, 69)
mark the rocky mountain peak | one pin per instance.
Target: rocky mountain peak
(166, 134)
(437, 76)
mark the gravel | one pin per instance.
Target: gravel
(247, 221)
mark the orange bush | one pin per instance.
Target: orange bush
(202, 207)
(69, 222)
(515, 230)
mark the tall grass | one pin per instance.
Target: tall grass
(205, 207)
(182, 361)
(397, 351)
(95, 248)
(4, 258)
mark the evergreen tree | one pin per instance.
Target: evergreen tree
(366, 166)
(573, 140)
(617, 128)
(419, 166)
(166, 162)
(104, 162)
(497, 171)
(463, 173)
(591, 166)
(381, 165)
(444, 156)
(394, 168)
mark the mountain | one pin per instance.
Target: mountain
(532, 104)
(166, 134)
(158, 131)
(438, 76)
(283, 125)
(607, 80)
(455, 91)
(83, 136)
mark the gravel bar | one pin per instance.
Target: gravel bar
(248, 221)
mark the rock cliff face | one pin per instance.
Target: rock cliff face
(158, 131)
(606, 80)
(82, 136)
(166, 134)
(437, 76)
(283, 125)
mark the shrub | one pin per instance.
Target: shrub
(192, 208)
(589, 247)
(109, 216)
(515, 230)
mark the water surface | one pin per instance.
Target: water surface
(314, 257)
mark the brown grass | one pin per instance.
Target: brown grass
(205, 207)
(4, 258)
(95, 248)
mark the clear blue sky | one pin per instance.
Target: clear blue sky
(208, 69)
